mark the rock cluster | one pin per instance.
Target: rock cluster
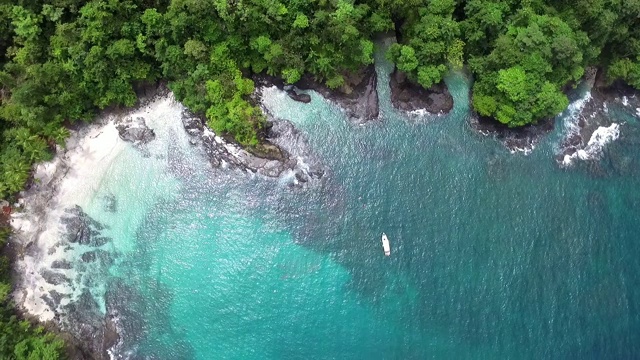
(271, 160)
(358, 97)
(521, 139)
(135, 130)
(409, 96)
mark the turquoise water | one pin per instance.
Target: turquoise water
(494, 255)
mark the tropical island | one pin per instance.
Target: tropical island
(62, 62)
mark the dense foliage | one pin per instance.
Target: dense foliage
(19, 340)
(63, 60)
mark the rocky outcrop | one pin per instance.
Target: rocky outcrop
(300, 97)
(90, 331)
(521, 139)
(272, 158)
(409, 96)
(135, 130)
(358, 97)
(82, 229)
(593, 126)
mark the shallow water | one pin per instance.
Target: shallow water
(494, 255)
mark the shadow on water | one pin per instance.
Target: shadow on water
(506, 254)
(494, 255)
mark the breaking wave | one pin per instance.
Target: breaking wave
(593, 150)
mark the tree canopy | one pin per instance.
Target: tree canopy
(61, 61)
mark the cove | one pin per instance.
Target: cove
(494, 255)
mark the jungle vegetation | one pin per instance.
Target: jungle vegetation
(62, 61)
(19, 339)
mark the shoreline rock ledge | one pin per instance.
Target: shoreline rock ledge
(409, 96)
(358, 97)
(134, 130)
(285, 150)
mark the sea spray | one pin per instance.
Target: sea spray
(573, 113)
(594, 148)
(71, 229)
(71, 178)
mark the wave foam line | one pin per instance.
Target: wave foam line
(599, 139)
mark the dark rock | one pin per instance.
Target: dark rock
(89, 328)
(303, 98)
(56, 296)
(99, 241)
(102, 255)
(61, 264)
(52, 299)
(409, 96)
(270, 158)
(301, 177)
(54, 278)
(515, 139)
(110, 203)
(594, 114)
(147, 92)
(82, 229)
(135, 130)
(192, 123)
(89, 256)
(358, 97)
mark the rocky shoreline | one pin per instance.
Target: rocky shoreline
(358, 97)
(522, 139)
(88, 332)
(593, 126)
(590, 112)
(410, 97)
(285, 151)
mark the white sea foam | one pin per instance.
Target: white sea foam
(70, 179)
(574, 111)
(420, 113)
(599, 139)
(525, 150)
(74, 177)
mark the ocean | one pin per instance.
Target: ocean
(494, 255)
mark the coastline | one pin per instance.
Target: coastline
(56, 244)
(592, 127)
(97, 145)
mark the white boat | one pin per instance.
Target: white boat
(385, 245)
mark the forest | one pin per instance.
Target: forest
(62, 61)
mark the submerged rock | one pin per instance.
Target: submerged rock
(93, 255)
(110, 203)
(409, 96)
(61, 264)
(134, 130)
(54, 278)
(303, 98)
(82, 229)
